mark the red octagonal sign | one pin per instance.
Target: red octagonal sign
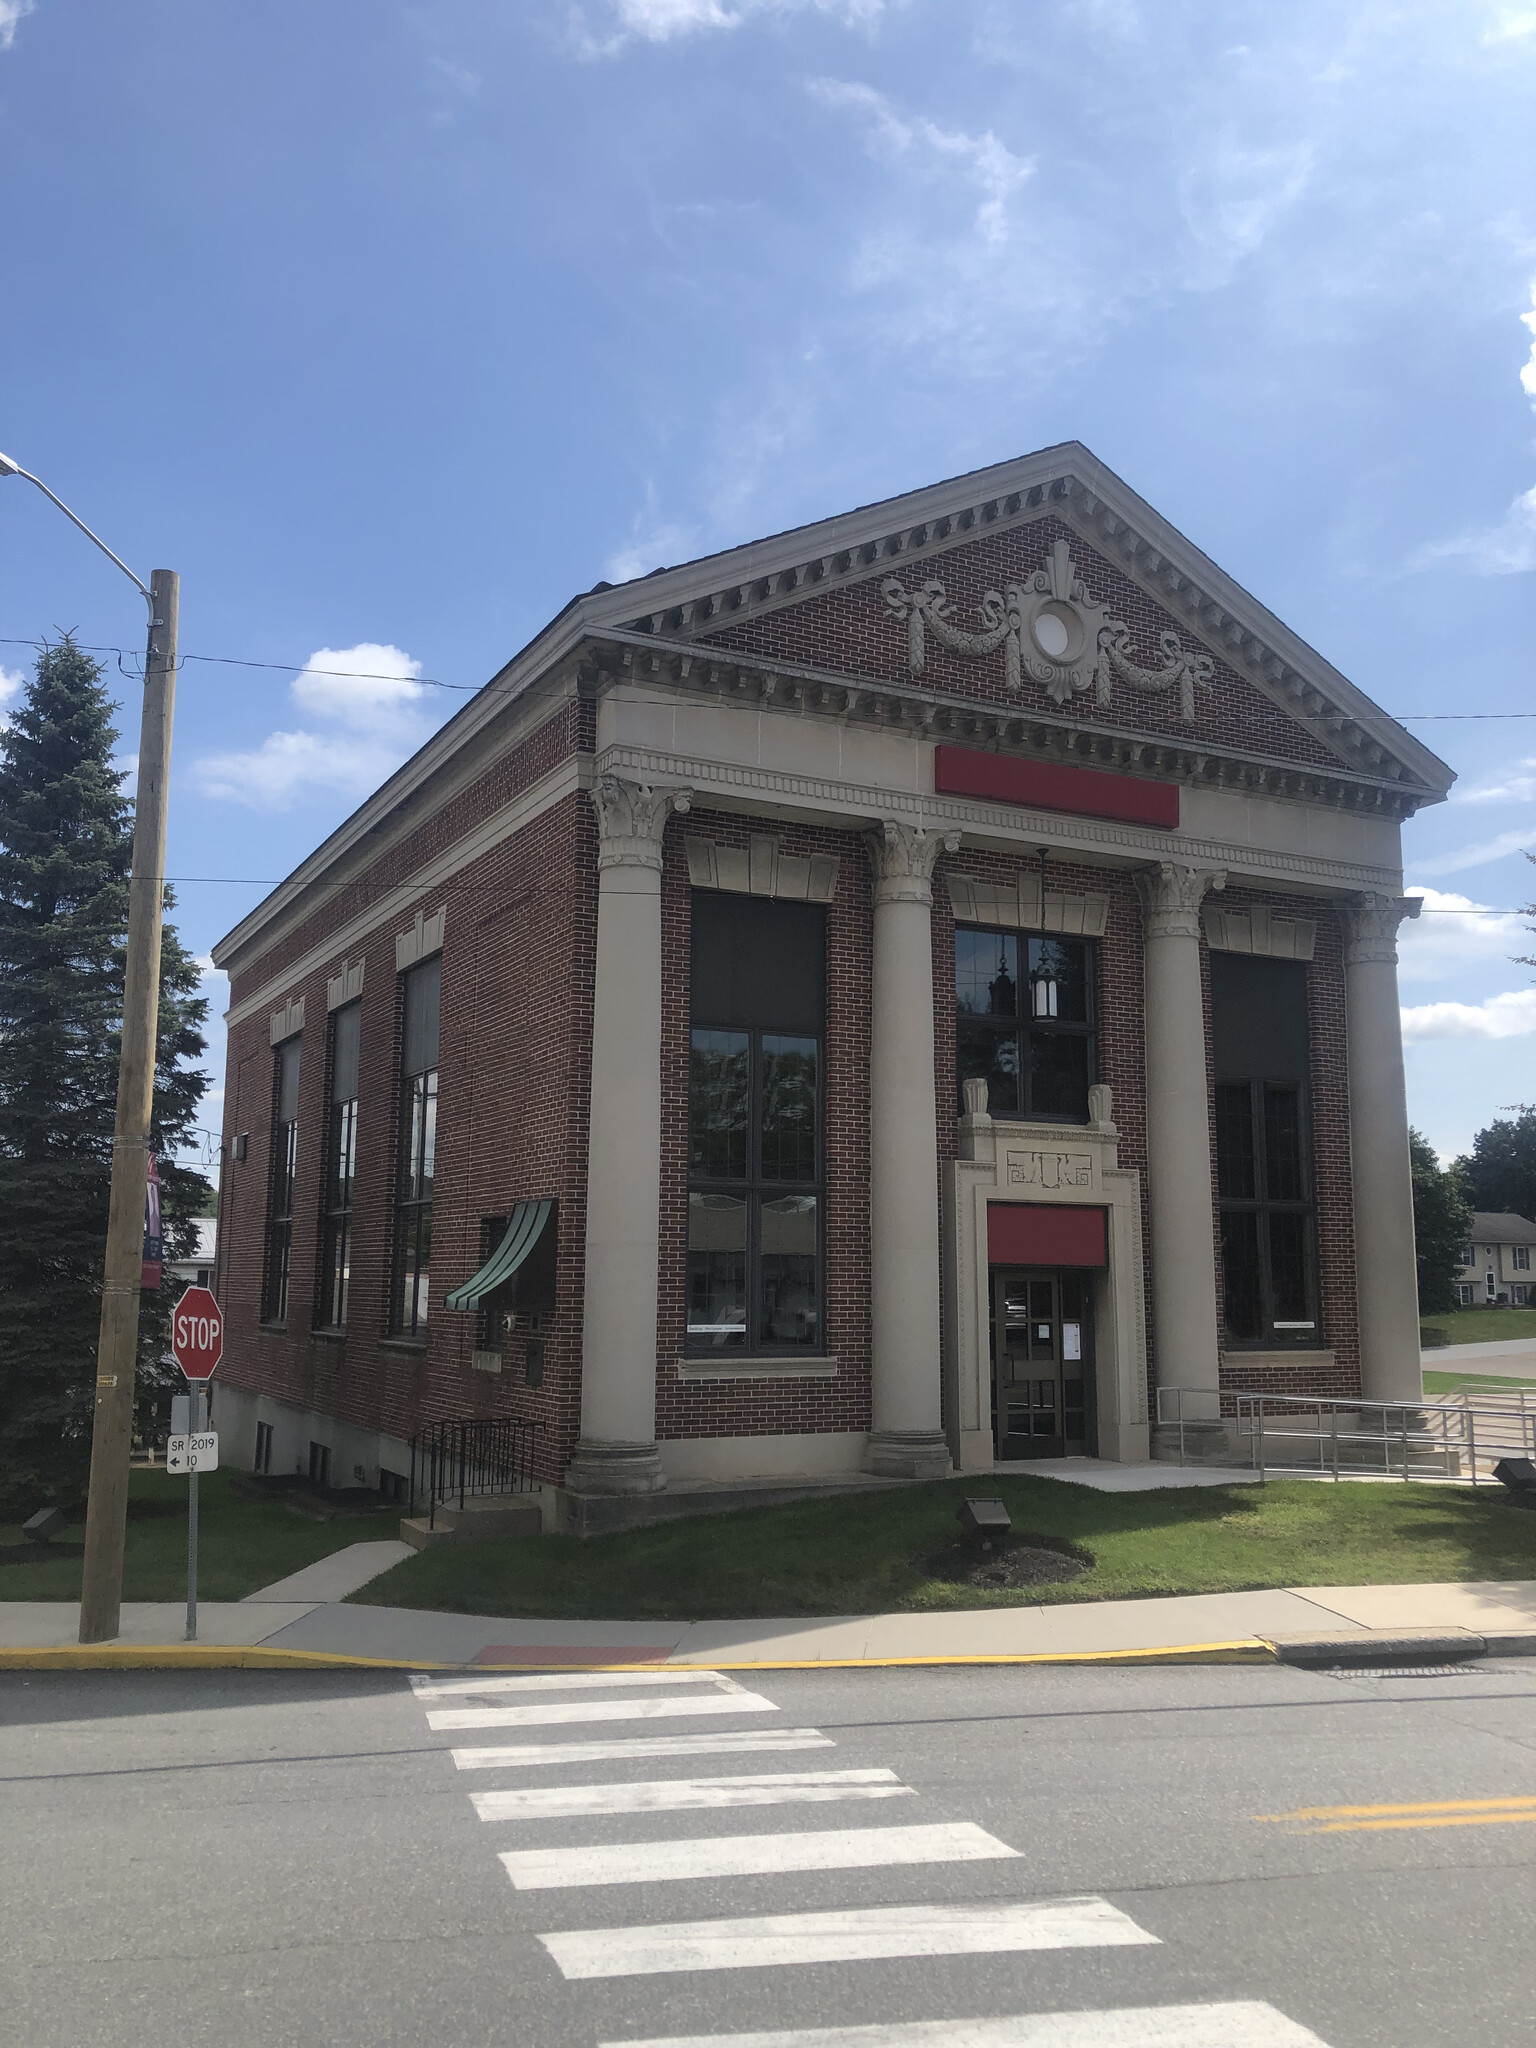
(197, 1333)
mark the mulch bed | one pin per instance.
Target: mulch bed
(1009, 1562)
(38, 1553)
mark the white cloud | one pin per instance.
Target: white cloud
(1517, 785)
(988, 164)
(1508, 549)
(368, 694)
(1511, 1015)
(11, 12)
(126, 768)
(1481, 855)
(653, 543)
(1513, 24)
(1234, 196)
(11, 683)
(660, 21)
(1456, 934)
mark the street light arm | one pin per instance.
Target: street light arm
(10, 468)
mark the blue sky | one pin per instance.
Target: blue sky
(392, 326)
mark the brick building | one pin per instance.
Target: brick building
(899, 993)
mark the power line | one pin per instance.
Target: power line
(469, 689)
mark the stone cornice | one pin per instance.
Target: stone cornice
(749, 680)
(780, 792)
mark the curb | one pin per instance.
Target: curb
(1345, 1649)
(236, 1657)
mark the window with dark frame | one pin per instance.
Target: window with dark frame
(1264, 1153)
(755, 1171)
(278, 1259)
(421, 1003)
(335, 1275)
(1024, 1020)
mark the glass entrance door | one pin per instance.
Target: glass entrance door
(1042, 1363)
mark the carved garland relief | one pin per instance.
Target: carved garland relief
(1052, 631)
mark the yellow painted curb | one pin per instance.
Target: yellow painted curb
(200, 1657)
(252, 1657)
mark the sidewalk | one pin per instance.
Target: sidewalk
(1509, 1358)
(303, 1621)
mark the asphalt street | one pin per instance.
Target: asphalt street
(1182, 1858)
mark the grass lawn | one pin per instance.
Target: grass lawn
(1448, 1382)
(860, 1554)
(1478, 1326)
(243, 1543)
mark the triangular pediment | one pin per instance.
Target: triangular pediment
(1044, 586)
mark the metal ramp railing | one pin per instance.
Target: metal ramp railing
(1459, 1438)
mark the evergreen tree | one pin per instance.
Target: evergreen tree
(65, 855)
(1442, 1223)
(1500, 1171)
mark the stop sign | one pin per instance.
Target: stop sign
(197, 1333)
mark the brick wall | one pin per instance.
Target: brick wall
(853, 632)
(513, 1088)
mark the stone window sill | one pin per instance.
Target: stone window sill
(329, 1333)
(416, 1346)
(776, 1367)
(1272, 1361)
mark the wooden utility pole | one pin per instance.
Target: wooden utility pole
(106, 1518)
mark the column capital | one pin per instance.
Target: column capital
(903, 857)
(1370, 926)
(631, 818)
(1171, 894)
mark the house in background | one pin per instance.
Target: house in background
(200, 1265)
(916, 992)
(1496, 1264)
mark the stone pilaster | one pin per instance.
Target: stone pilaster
(617, 1449)
(1179, 1188)
(1386, 1271)
(906, 1435)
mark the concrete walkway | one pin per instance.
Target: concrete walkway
(273, 1628)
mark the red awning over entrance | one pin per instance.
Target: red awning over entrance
(1040, 1234)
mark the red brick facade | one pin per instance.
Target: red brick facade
(516, 1035)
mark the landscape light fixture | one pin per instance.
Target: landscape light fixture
(1518, 1477)
(106, 1514)
(982, 1520)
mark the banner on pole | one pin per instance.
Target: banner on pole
(154, 1241)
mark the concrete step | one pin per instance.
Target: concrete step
(1205, 1443)
(496, 1514)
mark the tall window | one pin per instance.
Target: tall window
(754, 1126)
(284, 1160)
(340, 1170)
(1025, 1021)
(1264, 1151)
(417, 1148)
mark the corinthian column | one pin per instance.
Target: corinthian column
(1386, 1271)
(617, 1450)
(906, 1437)
(1179, 1128)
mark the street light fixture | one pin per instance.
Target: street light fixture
(106, 1514)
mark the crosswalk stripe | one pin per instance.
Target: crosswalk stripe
(663, 1795)
(750, 1855)
(622, 1748)
(567, 1681)
(860, 1935)
(551, 1713)
(1242, 2023)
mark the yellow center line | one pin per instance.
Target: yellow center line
(1444, 1820)
(1426, 1806)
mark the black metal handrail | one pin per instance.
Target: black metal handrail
(461, 1460)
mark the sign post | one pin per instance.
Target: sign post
(197, 1345)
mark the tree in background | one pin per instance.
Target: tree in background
(66, 842)
(1500, 1170)
(1442, 1223)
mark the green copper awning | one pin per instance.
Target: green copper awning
(527, 1221)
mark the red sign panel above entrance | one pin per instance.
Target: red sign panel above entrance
(968, 771)
(1045, 1234)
